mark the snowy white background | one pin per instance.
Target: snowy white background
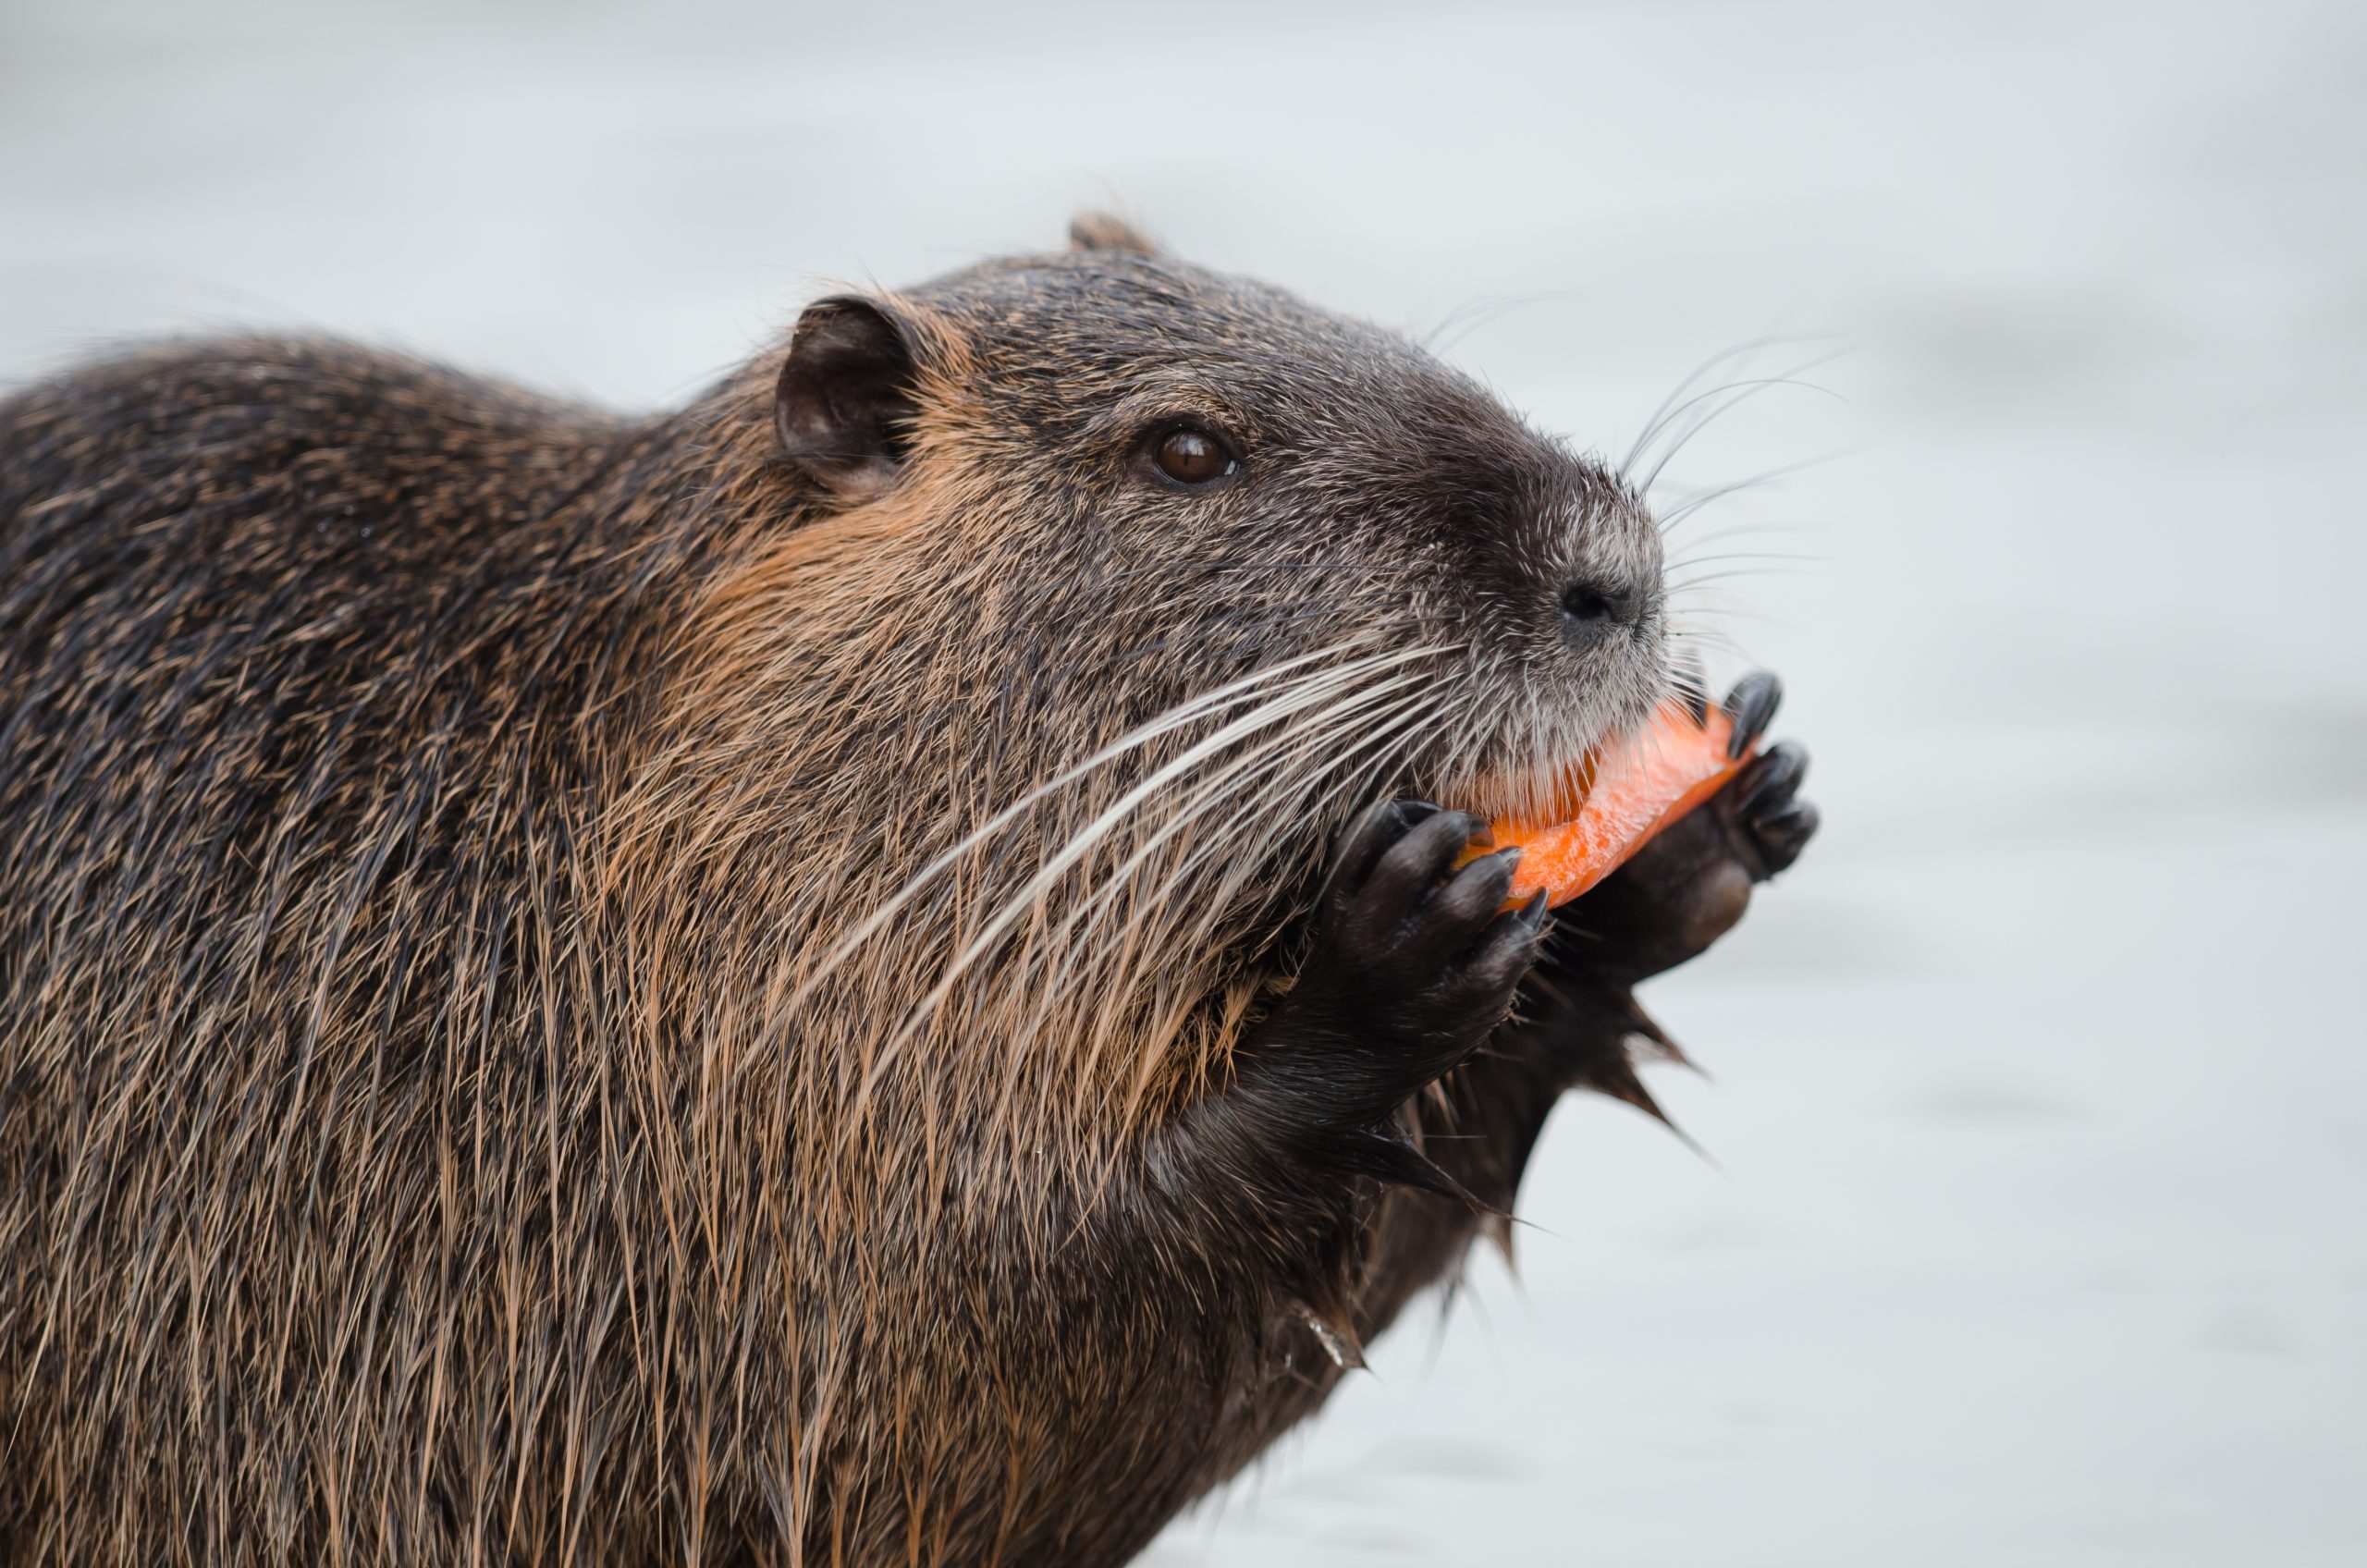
(2038, 1227)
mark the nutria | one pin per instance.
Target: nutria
(773, 984)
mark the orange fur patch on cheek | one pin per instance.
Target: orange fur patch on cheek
(836, 574)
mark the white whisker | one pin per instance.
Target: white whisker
(1669, 522)
(1164, 724)
(1291, 700)
(1734, 394)
(1112, 971)
(1745, 351)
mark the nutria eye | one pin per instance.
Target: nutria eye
(1193, 457)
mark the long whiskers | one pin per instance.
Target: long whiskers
(1727, 399)
(1165, 723)
(1311, 691)
(1669, 521)
(1744, 352)
(1333, 753)
(1742, 390)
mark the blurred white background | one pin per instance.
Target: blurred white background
(2038, 1227)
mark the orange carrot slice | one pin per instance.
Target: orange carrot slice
(1664, 772)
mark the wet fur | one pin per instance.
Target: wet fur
(542, 1018)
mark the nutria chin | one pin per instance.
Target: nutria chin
(859, 973)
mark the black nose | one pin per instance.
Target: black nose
(1589, 611)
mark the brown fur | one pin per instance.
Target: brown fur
(543, 1016)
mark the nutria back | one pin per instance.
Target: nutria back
(706, 988)
(303, 654)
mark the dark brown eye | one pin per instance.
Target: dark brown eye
(1193, 457)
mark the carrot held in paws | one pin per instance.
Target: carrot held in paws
(1671, 766)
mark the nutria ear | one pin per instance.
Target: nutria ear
(1106, 231)
(843, 405)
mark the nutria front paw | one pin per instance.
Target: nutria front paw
(1688, 887)
(1414, 963)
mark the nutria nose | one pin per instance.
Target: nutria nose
(1590, 609)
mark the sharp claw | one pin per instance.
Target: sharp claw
(1774, 778)
(1785, 833)
(1752, 704)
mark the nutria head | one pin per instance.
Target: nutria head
(1086, 596)
(1198, 475)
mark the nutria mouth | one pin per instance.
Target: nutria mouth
(1568, 797)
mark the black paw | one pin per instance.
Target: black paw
(1690, 884)
(1413, 965)
(1761, 803)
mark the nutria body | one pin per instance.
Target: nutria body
(761, 984)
